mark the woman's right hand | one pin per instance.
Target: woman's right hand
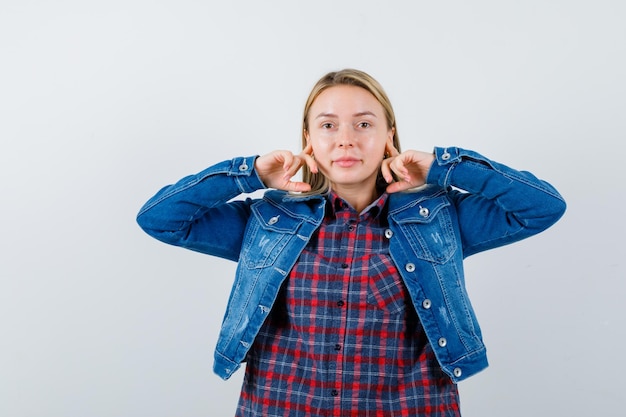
(277, 168)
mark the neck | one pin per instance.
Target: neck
(356, 196)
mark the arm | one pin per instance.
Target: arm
(497, 205)
(195, 213)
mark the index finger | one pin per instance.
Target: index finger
(391, 149)
(308, 149)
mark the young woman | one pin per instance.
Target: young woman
(349, 297)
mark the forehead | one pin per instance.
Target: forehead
(345, 98)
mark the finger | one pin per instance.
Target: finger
(391, 150)
(398, 186)
(297, 186)
(308, 149)
(386, 171)
(287, 159)
(307, 155)
(398, 167)
(310, 162)
(294, 165)
(299, 161)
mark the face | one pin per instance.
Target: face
(348, 132)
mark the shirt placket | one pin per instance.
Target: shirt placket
(347, 229)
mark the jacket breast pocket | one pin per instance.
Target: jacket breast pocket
(429, 230)
(267, 235)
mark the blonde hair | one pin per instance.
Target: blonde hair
(318, 182)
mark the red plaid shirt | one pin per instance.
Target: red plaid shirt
(343, 338)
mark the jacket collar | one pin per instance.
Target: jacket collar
(307, 207)
(314, 205)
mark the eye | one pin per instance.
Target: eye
(327, 125)
(364, 125)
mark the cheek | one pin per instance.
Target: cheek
(320, 147)
(321, 154)
(376, 145)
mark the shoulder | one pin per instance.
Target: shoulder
(294, 205)
(415, 197)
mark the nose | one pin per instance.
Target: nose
(345, 138)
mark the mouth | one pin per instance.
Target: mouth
(346, 162)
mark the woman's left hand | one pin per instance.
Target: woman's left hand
(410, 167)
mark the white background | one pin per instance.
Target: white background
(102, 103)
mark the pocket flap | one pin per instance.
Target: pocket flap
(273, 219)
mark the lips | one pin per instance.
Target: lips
(346, 162)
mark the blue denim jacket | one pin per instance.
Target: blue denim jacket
(469, 204)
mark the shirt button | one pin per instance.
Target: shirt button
(388, 233)
(457, 372)
(344, 265)
(337, 346)
(334, 393)
(409, 267)
(351, 227)
(426, 304)
(442, 342)
(340, 303)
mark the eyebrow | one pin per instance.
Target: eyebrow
(359, 114)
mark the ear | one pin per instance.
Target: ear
(307, 136)
(389, 148)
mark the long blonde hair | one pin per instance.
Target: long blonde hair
(319, 183)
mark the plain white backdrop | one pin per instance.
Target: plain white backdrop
(104, 102)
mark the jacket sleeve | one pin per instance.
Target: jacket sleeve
(496, 205)
(197, 212)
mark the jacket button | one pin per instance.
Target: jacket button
(388, 233)
(409, 267)
(446, 155)
(243, 166)
(426, 304)
(457, 372)
(424, 212)
(442, 342)
(273, 220)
